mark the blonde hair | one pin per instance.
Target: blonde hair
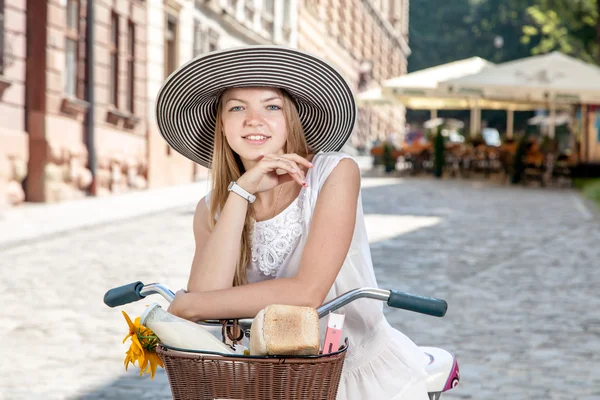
(226, 166)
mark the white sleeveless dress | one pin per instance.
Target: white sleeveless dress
(381, 363)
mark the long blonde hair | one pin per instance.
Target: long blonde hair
(227, 166)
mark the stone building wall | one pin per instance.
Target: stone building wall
(367, 41)
(14, 151)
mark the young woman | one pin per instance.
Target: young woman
(283, 223)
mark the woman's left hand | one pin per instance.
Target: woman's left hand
(177, 306)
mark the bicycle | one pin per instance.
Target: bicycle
(207, 375)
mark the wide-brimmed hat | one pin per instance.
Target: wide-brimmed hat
(186, 106)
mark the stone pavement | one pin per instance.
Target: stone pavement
(34, 221)
(518, 267)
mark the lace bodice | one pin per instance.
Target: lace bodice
(273, 240)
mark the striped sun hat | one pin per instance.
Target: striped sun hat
(186, 107)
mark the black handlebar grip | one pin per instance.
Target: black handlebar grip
(423, 305)
(124, 294)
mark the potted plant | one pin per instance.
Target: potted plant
(438, 153)
(377, 153)
(519, 159)
(388, 157)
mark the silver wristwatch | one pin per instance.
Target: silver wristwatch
(234, 187)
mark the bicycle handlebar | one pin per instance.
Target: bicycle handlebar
(124, 294)
(424, 305)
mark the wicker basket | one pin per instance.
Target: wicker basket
(200, 375)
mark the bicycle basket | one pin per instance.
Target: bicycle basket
(202, 375)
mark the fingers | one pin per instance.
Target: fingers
(293, 158)
(290, 167)
(286, 165)
(297, 159)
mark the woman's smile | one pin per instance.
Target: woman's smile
(256, 139)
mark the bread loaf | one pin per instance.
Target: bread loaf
(285, 330)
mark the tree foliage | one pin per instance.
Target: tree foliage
(501, 30)
(569, 26)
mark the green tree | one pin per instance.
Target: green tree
(569, 26)
(442, 32)
(496, 29)
(501, 30)
(438, 33)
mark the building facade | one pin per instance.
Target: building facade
(14, 148)
(60, 105)
(367, 40)
(77, 115)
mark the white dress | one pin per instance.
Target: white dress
(381, 363)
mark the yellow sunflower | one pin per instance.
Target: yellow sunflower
(143, 347)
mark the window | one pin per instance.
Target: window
(114, 61)
(268, 15)
(130, 66)
(213, 40)
(231, 6)
(71, 49)
(170, 61)
(287, 13)
(287, 30)
(249, 12)
(198, 39)
(270, 6)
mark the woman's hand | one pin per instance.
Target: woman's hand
(177, 306)
(263, 176)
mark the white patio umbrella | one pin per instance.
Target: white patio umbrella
(426, 81)
(423, 90)
(554, 79)
(419, 89)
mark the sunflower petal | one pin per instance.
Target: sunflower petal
(127, 337)
(143, 367)
(130, 357)
(131, 325)
(137, 344)
(154, 363)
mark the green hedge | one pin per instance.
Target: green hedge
(590, 188)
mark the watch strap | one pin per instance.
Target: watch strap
(240, 191)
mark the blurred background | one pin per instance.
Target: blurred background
(78, 80)
(478, 138)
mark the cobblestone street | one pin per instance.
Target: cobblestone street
(519, 268)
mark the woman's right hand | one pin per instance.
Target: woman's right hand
(263, 176)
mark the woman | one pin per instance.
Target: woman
(283, 223)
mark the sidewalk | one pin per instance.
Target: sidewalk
(32, 221)
(36, 220)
